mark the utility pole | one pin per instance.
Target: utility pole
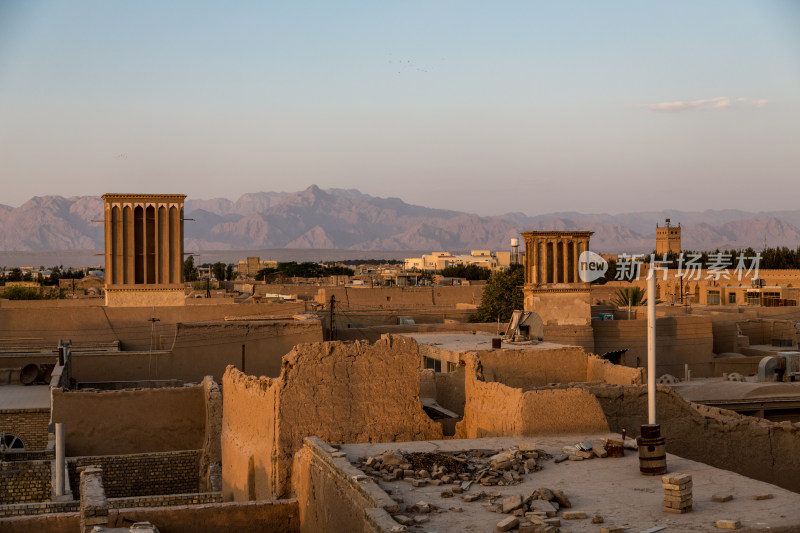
(152, 338)
(332, 335)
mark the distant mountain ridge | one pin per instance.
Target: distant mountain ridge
(350, 220)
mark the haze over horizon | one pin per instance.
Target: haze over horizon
(528, 106)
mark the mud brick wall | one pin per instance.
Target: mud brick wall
(28, 424)
(341, 392)
(25, 481)
(146, 474)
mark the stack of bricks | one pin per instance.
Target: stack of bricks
(677, 493)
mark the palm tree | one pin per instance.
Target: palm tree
(630, 297)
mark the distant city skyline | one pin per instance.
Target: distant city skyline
(472, 106)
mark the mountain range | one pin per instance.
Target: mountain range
(350, 220)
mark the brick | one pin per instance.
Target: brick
(508, 524)
(671, 486)
(728, 524)
(721, 498)
(511, 503)
(573, 515)
(676, 478)
(612, 529)
(763, 497)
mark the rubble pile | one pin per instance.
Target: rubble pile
(461, 469)
(589, 450)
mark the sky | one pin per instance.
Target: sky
(484, 107)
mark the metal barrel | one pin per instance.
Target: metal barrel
(652, 451)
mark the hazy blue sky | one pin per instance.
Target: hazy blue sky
(485, 107)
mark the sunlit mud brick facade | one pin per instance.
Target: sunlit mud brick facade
(144, 249)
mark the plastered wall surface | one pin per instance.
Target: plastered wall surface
(353, 298)
(131, 420)
(679, 340)
(494, 409)
(341, 392)
(51, 320)
(534, 367)
(750, 446)
(201, 349)
(560, 308)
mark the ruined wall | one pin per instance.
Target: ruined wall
(534, 367)
(30, 425)
(25, 481)
(143, 474)
(679, 340)
(202, 349)
(449, 389)
(495, 409)
(341, 392)
(753, 447)
(537, 367)
(249, 436)
(131, 421)
(331, 500)
(599, 369)
(211, 455)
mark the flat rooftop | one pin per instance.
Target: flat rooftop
(24, 397)
(467, 342)
(611, 487)
(717, 389)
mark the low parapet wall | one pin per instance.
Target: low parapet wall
(147, 474)
(753, 447)
(341, 392)
(332, 498)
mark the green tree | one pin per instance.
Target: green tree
(15, 274)
(502, 295)
(218, 271)
(229, 275)
(632, 296)
(189, 270)
(470, 272)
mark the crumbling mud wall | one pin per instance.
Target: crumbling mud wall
(130, 420)
(753, 447)
(538, 367)
(211, 452)
(331, 500)
(495, 409)
(341, 392)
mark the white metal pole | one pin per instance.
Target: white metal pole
(60, 449)
(651, 348)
